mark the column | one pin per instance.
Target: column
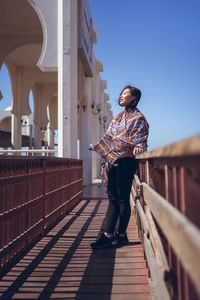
(96, 164)
(22, 80)
(53, 121)
(37, 117)
(16, 136)
(86, 135)
(67, 78)
(50, 136)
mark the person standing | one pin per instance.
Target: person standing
(126, 136)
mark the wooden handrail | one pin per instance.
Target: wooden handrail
(155, 257)
(160, 288)
(187, 147)
(180, 232)
(157, 244)
(166, 193)
(142, 217)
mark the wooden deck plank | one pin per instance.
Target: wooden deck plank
(63, 266)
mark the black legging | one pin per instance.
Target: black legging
(119, 186)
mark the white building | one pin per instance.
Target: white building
(47, 47)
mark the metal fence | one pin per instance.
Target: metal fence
(166, 199)
(35, 192)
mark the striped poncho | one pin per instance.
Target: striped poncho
(126, 130)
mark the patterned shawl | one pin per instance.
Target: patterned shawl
(126, 130)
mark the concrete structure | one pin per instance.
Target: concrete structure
(47, 47)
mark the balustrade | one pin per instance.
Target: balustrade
(35, 192)
(166, 198)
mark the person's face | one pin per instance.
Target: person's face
(126, 98)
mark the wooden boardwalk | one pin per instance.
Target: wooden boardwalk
(63, 266)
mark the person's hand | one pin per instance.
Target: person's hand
(137, 150)
(91, 147)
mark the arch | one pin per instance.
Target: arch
(23, 28)
(47, 13)
(5, 123)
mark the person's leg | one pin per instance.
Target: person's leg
(107, 237)
(125, 213)
(113, 207)
(112, 216)
(124, 177)
(119, 187)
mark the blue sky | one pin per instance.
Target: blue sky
(154, 45)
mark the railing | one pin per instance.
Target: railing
(46, 152)
(166, 200)
(35, 192)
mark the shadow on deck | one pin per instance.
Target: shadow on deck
(63, 266)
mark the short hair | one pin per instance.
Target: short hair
(135, 92)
